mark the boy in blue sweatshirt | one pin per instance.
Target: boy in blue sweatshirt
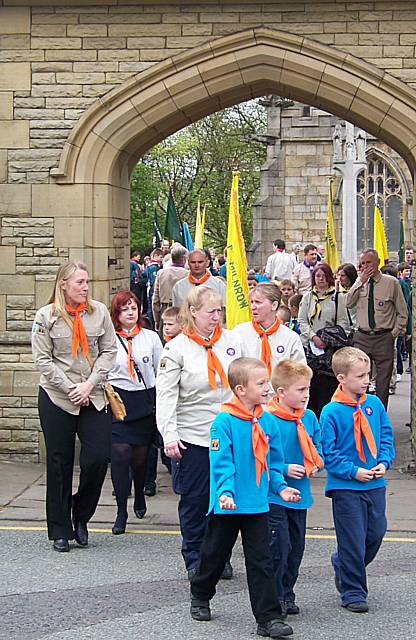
(245, 458)
(358, 448)
(301, 441)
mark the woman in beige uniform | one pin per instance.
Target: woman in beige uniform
(74, 347)
(191, 385)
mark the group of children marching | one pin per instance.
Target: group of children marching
(263, 453)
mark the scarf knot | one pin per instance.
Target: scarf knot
(79, 334)
(196, 282)
(213, 362)
(318, 298)
(128, 336)
(362, 428)
(266, 352)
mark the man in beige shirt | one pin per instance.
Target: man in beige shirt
(198, 275)
(302, 273)
(381, 317)
(166, 280)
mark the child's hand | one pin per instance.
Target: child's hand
(227, 503)
(379, 470)
(314, 472)
(296, 471)
(365, 475)
(290, 495)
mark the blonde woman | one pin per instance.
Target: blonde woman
(74, 347)
(191, 385)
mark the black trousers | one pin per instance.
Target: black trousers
(321, 391)
(220, 538)
(94, 432)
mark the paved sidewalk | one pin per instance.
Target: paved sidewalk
(22, 489)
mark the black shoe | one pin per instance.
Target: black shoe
(149, 491)
(60, 544)
(228, 572)
(274, 629)
(357, 607)
(283, 608)
(140, 513)
(200, 610)
(292, 608)
(119, 526)
(192, 573)
(80, 533)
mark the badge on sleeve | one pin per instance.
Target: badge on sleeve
(38, 327)
(162, 363)
(215, 444)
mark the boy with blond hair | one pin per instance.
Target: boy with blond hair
(170, 323)
(245, 460)
(301, 442)
(358, 447)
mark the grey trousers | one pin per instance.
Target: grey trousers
(380, 349)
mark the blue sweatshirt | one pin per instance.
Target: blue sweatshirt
(338, 444)
(233, 466)
(292, 453)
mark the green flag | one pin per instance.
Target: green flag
(401, 241)
(173, 225)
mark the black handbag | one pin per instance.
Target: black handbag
(150, 396)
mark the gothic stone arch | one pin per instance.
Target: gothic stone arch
(117, 130)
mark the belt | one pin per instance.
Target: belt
(379, 332)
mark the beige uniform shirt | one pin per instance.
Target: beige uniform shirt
(390, 309)
(184, 286)
(186, 404)
(280, 266)
(52, 354)
(162, 293)
(301, 278)
(309, 328)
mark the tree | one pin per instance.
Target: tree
(198, 159)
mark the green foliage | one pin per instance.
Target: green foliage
(199, 159)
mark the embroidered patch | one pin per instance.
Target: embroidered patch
(381, 303)
(280, 348)
(369, 411)
(146, 359)
(162, 363)
(38, 327)
(215, 444)
(231, 351)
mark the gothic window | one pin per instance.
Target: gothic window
(378, 178)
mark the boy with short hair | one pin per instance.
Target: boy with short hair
(170, 322)
(294, 304)
(358, 447)
(283, 313)
(246, 458)
(301, 441)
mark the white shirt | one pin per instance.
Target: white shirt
(184, 286)
(147, 349)
(280, 265)
(186, 404)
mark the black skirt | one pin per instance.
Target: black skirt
(139, 425)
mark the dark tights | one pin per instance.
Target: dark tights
(124, 457)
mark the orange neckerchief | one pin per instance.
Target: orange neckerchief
(167, 338)
(79, 335)
(311, 457)
(260, 443)
(196, 282)
(266, 352)
(130, 357)
(214, 363)
(361, 425)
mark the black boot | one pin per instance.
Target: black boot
(119, 526)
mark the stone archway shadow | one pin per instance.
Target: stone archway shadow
(114, 133)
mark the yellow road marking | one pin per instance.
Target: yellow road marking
(174, 532)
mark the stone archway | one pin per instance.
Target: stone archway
(115, 132)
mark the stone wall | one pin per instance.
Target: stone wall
(56, 62)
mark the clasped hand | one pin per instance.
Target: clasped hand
(365, 475)
(80, 394)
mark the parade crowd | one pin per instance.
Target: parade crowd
(243, 418)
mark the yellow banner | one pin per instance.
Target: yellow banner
(238, 306)
(380, 238)
(198, 242)
(331, 248)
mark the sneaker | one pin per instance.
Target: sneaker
(292, 608)
(274, 629)
(228, 572)
(200, 610)
(357, 607)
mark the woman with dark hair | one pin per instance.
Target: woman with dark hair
(321, 308)
(133, 376)
(346, 275)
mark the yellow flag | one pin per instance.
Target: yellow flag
(238, 307)
(380, 238)
(203, 224)
(331, 249)
(198, 243)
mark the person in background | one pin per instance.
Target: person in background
(223, 265)
(149, 275)
(404, 343)
(408, 254)
(287, 290)
(280, 264)
(302, 273)
(199, 275)
(345, 277)
(133, 377)
(296, 248)
(321, 308)
(294, 303)
(251, 281)
(191, 386)
(135, 269)
(283, 313)
(165, 281)
(74, 347)
(320, 252)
